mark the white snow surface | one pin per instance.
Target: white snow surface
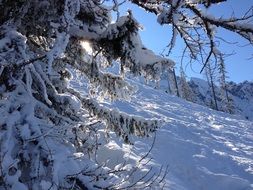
(203, 148)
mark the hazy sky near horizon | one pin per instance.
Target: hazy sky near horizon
(156, 37)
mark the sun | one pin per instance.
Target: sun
(86, 45)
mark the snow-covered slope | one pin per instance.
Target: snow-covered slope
(203, 149)
(241, 95)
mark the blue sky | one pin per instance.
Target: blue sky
(156, 37)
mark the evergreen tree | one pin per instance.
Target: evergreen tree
(226, 101)
(210, 76)
(173, 82)
(46, 123)
(186, 91)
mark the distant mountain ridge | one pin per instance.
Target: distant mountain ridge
(241, 95)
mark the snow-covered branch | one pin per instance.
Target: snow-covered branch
(196, 27)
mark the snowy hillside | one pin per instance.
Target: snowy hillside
(203, 149)
(241, 95)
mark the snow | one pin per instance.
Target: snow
(58, 49)
(204, 149)
(55, 144)
(241, 94)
